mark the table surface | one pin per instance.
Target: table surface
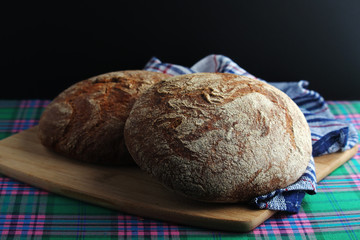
(27, 212)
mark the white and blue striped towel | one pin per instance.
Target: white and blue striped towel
(328, 134)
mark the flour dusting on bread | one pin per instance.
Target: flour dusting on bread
(218, 137)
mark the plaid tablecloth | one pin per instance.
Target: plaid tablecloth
(27, 212)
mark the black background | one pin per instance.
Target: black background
(47, 47)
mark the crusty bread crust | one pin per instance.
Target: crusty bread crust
(218, 137)
(86, 121)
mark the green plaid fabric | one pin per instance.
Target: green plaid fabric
(27, 212)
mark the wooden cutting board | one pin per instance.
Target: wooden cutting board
(128, 189)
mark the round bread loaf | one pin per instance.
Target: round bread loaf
(218, 137)
(86, 121)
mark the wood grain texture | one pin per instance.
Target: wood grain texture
(128, 189)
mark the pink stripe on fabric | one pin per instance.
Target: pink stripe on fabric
(23, 192)
(126, 231)
(173, 230)
(338, 102)
(23, 222)
(302, 220)
(342, 183)
(36, 192)
(155, 229)
(354, 119)
(8, 186)
(356, 115)
(19, 224)
(23, 125)
(161, 70)
(216, 63)
(356, 179)
(38, 224)
(34, 103)
(329, 125)
(297, 223)
(25, 121)
(243, 71)
(275, 229)
(166, 69)
(140, 227)
(6, 226)
(321, 111)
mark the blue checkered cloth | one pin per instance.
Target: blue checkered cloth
(328, 134)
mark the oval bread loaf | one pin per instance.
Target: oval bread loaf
(86, 121)
(218, 137)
